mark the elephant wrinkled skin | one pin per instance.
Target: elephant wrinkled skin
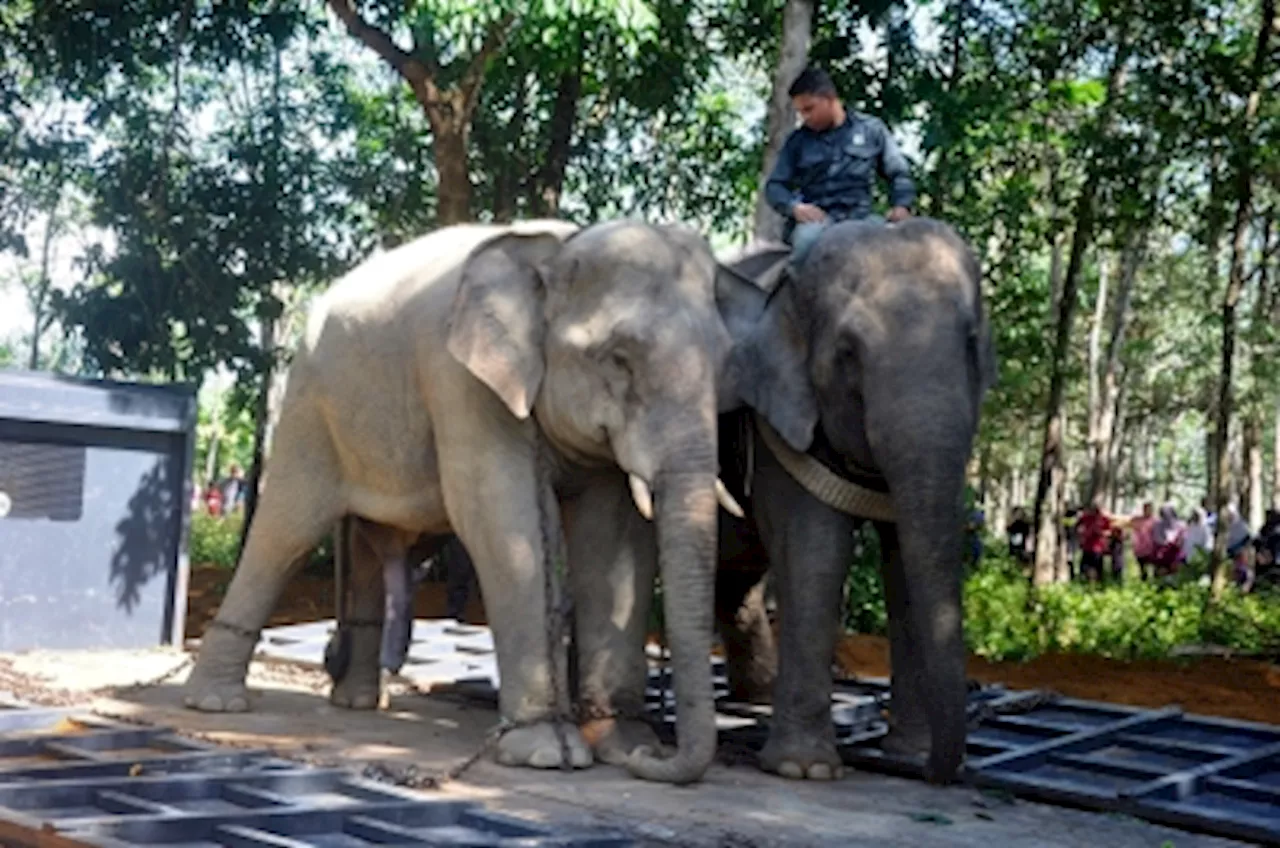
(483, 380)
(874, 359)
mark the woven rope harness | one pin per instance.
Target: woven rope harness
(823, 483)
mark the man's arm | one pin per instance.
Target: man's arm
(778, 192)
(893, 167)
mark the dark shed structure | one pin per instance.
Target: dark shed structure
(94, 510)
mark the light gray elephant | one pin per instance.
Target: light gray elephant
(870, 365)
(503, 382)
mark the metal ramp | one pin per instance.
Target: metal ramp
(1213, 775)
(68, 781)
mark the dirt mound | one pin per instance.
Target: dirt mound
(1244, 689)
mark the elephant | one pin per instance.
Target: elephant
(871, 360)
(549, 394)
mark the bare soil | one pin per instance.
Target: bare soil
(1234, 688)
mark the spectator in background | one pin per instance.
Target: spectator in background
(1117, 553)
(1094, 531)
(233, 489)
(1144, 547)
(1239, 551)
(1071, 534)
(1198, 536)
(1167, 537)
(973, 532)
(1210, 518)
(1267, 550)
(1019, 531)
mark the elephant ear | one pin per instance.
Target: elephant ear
(498, 324)
(768, 368)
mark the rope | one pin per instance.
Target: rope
(823, 483)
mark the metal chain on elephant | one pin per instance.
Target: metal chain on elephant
(557, 613)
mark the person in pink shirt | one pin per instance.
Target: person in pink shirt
(1144, 545)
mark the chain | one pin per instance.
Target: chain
(187, 662)
(557, 612)
(1016, 704)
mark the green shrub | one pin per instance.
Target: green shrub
(1006, 620)
(864, 589)
(998, 623)
(214, 541)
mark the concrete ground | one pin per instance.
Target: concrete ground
(733, 807)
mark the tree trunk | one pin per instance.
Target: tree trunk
(1112, 377)
(453, 186)
(1051, 472)
(449, 111)
(1251, 504)
(1243, 155)
(1096, 400)
(942, 189)
(563, 120)
(1275, 463)
(797, 30)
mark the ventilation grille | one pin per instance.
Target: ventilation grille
(41, 481)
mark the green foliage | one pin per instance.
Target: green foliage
(864, 587)
(214, 540)
(1137, 620)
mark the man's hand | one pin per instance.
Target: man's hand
(898, 213)
(807, 213)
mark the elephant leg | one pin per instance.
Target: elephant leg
(612, 562)
(299, 504)
(751, 655)
(372, 552)
(810, 547)
(504, 512)
(908, 723)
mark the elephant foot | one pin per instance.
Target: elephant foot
(359, 691)
(907, 743)
(217, 682)
(538, 746)
(801, 757)
(361, 686)
(614, 740)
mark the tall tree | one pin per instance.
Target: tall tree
(1052, 467)
(444, 67)
(793, 54)
(1242, 156)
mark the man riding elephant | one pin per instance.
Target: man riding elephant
(826, 168)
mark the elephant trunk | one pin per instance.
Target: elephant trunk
(686, 525)
(927, 500)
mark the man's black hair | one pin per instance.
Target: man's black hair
(815, 81)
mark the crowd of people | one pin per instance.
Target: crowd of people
(222, 497)
(1162, 544)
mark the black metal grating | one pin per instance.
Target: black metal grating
(40, 480)
(97, 783)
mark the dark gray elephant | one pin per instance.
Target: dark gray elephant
(869, 365)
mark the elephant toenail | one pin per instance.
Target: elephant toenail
(791, 770)
(819, 771)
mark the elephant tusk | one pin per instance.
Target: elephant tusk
(726, 500)
(642, 496)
